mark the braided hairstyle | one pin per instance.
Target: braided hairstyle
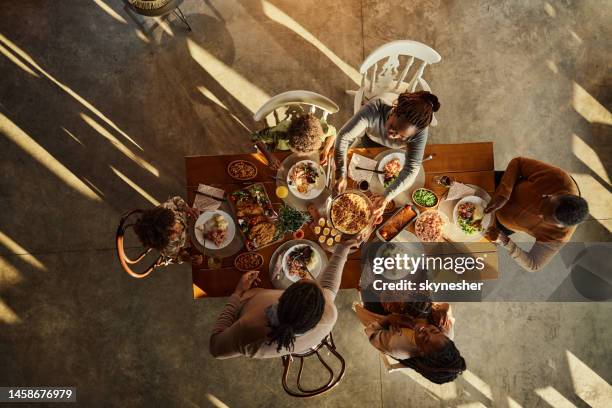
(417, 108)
(300, 309)
(153, 227)
(441, 367)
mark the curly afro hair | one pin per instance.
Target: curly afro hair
(571, 209)
(305, 134)
(153, 227)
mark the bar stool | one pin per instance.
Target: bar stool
(333, 380)
(156, 8)
(123, 258)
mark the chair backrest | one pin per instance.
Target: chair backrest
(391, 364)
(123, 258)
(291, 98)
(383, 71)
(332, 380)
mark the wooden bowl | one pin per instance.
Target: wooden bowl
(232, 170)
(422, 207)
(248, 261)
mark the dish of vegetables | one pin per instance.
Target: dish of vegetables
(424, 197)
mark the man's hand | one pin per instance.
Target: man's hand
(379, 204)
(495, 235)
(495, 204)
(340, 185)
(246, 282)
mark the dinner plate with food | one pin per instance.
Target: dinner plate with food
(350, 212)
(215, 229)
(301, 261)
(430, 226)
(390, 166)
(469, 216)
(306, 179)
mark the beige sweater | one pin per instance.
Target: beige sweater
(242, 327)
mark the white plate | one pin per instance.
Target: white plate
(381, 164)
(445, 223)
(486, 219)
(314, 272)
(207, 215)
(314, 190)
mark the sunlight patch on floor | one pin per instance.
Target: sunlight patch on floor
(554, 398)
(588, 385)
(65, 88)
(244, 91)
(216, 401)
(276, 14)
(135, 186)
(15, 248)
(9, 275)
(108, 10)
(589, 107)
(478, 383)
(31, 147)
(7, 315)
(589, 157)
(120, 146)
(17, 61)
(446, 391)
(213, 98)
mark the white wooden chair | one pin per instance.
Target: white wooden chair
(274, 106)
(390, 81)
(392, 365)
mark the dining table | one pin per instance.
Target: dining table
(468, 163)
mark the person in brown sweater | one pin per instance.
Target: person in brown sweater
(265, 323)
(540, 200)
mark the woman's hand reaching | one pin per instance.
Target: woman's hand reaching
(248, 280)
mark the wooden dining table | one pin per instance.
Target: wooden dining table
(468, 163)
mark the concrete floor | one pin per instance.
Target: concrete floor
(96, 121)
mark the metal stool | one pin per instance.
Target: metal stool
(156, 8)
(333, 379)
(123, 258)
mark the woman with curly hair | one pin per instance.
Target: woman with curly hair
(401, 125)
(164, 228)
(419, 334)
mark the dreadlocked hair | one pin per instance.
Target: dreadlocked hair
(441, 367)
(305, 134)
(152, 228)
(417, 108)
(300, 309)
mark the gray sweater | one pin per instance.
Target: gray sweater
(371, 120)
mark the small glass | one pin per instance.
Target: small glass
(362, 185)
(444, 180)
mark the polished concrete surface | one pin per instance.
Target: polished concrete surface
(96, 117)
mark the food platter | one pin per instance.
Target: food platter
(317, 196)
(215, 225)
(350, 212)
(397, 223)
(453, 232)
(306, 179)
(255, 216)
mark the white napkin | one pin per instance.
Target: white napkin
(203, 202)
(361, 161)
(459, 190)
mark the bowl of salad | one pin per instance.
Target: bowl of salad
(425, 198)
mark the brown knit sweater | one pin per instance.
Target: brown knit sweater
(523, 184)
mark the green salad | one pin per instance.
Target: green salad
(424, 198)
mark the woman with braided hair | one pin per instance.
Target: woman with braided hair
(401, 125)
(418, 334)
(264, 323)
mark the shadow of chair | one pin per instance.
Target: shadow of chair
(333, 379)
(127, 262)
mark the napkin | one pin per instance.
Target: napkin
(459, 190)
(361, 161)
(204, 202)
